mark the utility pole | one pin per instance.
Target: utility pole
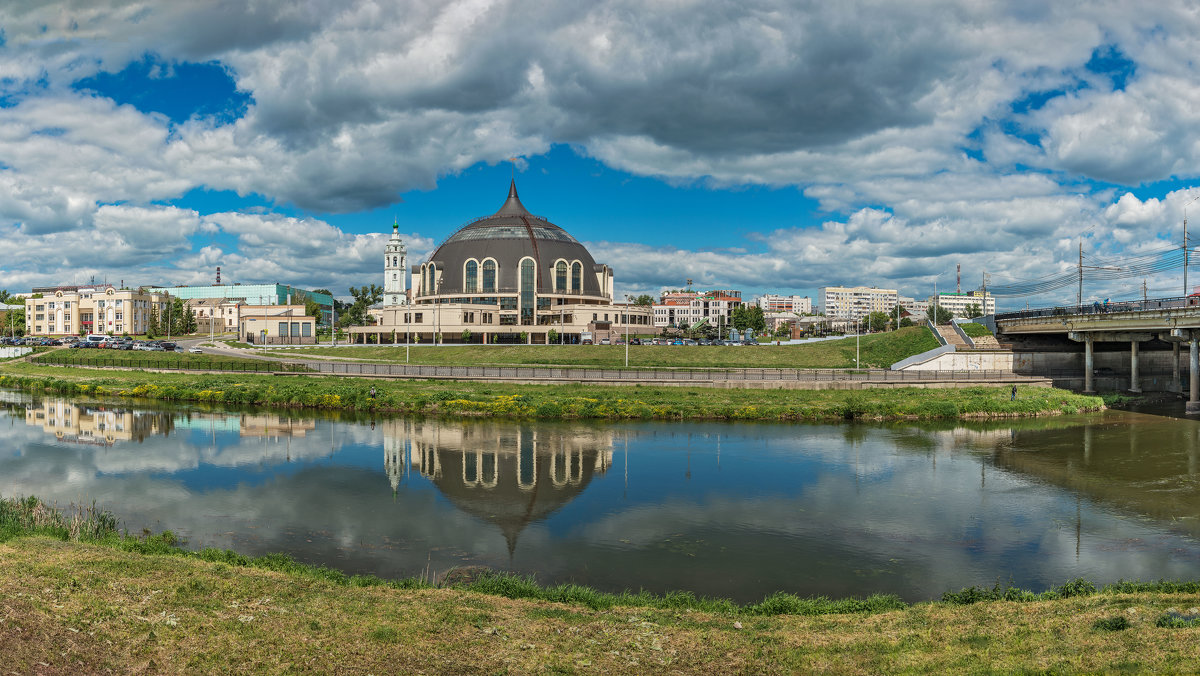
(1080, 303)
(1143, 290)
(1185, 245)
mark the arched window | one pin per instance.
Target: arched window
(577, 276)
(560, 276)
(528, 289)
(471, 280)
(489, 276)
(395, 261)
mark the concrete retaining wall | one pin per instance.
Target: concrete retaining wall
(8, 352)
(968, 361)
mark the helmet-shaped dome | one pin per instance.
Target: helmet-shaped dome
(508, 236)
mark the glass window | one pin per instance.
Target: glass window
(472, 277)
(489, 276)
(295, 329)
(307, 328)
(528, 289)
(577, 276)
(283, 329)
(560, 276)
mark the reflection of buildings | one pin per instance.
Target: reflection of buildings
(274, 426)
(95, 424)
(502, 473)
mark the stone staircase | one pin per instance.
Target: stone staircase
(951, 337)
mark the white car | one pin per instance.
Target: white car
(195, 350)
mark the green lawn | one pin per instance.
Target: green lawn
(975, 330)
(496, 400)
(877, 350)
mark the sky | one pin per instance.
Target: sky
(767, 146)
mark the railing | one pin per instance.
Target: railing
(576, 374)
(1099, 308)
(246, 366)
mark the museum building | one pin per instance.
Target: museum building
(510, 277)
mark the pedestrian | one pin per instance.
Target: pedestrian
(1106, 305)
(372, 391)
(1013, 397)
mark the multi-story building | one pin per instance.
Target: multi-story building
(959, 302)
(714, 308)
(76, 310)
(253, 294)
(855, 302)
(801, 305)
(914, 307)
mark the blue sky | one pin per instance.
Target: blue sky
(761, 146)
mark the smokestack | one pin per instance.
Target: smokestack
(958, 279)
(218, 275)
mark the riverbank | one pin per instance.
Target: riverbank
(75, 596)
(549, 402)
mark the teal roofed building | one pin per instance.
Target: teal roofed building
(254, 294)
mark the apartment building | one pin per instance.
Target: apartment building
(959, 302)
(77, 310)
(855, 302)
(801, 305)
(714, 308)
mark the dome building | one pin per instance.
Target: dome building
(506, 278)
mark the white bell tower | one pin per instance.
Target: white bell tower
(395, 263)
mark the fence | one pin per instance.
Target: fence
(647, 375)
(244, 366)
(1098, 308)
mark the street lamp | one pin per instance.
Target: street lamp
(1185, 244)
(857, 330)
(628, 300)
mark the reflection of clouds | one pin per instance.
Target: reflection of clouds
(811, 509)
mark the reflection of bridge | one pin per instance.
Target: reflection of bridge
(501, 473)
(1172, 320)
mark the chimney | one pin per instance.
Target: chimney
(218, 275)
(958, 279)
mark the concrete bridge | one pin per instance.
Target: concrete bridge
(1172, 320)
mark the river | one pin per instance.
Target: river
(719, 509)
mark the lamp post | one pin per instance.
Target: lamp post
(857, 330)
(628, 300)
(1185, 244)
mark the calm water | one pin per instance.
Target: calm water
(719, 509)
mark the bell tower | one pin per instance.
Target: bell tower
(395, 263)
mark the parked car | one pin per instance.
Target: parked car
(605, 341)
(635, 341)
(195, 350)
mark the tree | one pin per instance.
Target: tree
(524, 337)
(152, 329)
(6, 298)
(644, 299)
(973, 310)
(364, 297)
(311, 307)
(466, 335)
(876, 321)
(906, 321)
(739, 319)
(755, 318)
(14, 323)
(552, 336)
(940, 315)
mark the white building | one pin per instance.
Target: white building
(959, 302)
(856, 302)
(714, 308)
(395, 266)
(801, 305)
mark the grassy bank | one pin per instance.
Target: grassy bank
(877, 350)
(81, 598)
(164, 360)
(471, 399)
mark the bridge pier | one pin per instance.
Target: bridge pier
(1178, 382)
(1134, 384)
(1088, 365)
(1193, 405)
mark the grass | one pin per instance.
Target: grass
(93, 600)
(877, 350)
(975, 330)
(162, 360)
(514, 401)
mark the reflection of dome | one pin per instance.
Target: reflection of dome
(499, 243)
(506, 475)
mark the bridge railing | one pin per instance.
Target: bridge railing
(1099, 308)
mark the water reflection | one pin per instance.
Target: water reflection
(506, 475)
(718, 509)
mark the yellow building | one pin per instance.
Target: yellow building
(276, 325)
(79, 310)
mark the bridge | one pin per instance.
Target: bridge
(1173, 320)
